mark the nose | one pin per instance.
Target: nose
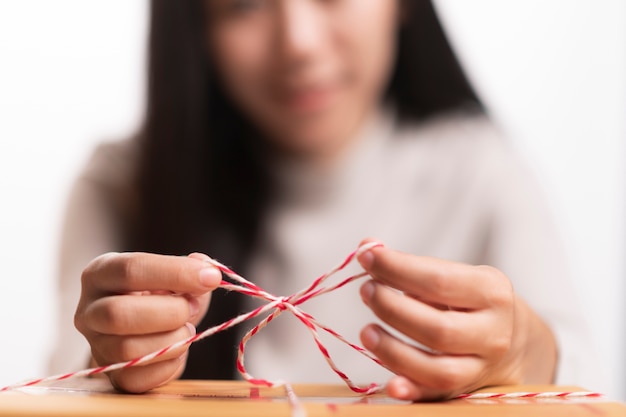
(301, 28)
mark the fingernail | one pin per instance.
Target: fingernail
(210, 277)
(367, 290)
(366, 259)
(192, 329)
(194, 307)
(370, 337)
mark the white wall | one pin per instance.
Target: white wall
(554, 73)
(70, 75)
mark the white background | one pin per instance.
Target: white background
(553, 73)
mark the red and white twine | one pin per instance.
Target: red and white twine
(277, 305)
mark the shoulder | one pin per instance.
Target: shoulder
(458, 137)
(464, 147)
(467, 160)
(108, 178)
(112, 163)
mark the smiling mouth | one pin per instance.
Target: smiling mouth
(308, 100)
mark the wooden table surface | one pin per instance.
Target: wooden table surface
(95, 397)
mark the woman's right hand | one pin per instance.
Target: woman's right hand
(132, 304)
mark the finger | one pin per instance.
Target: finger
(113, 349)
(137, 314)
(436, 375)
(143, 378)
(109, 349)
(439, 281)
(118, 273)
(402, 388)
(449, 331)
(203, 302)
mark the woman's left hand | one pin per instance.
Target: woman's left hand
(479, 331)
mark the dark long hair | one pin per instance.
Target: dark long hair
(201, 185)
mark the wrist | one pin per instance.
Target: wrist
(540, 353)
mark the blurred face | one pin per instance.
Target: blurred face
(308, 73)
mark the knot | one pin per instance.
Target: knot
(283, 302)
(278, 304)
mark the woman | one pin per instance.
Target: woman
(278, 134)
